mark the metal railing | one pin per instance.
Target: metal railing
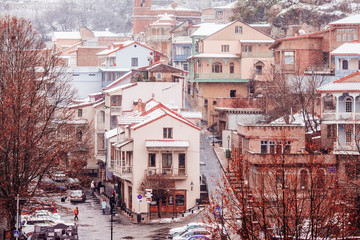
(172, 172)
(218, 75)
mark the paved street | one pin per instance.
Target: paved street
(93, 225)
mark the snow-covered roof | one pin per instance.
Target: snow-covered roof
(348, 48)
(257, 41)
(340, 87)
(115, 69)
(112, 133)
(104, 34)
(297, 119)
(66, 35)
(206, 29)
(126, 85)
(188, 115)
(122, 143)
(167, 143)
(354, 19)
(216, 55)
(227, 6)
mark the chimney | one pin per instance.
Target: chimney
(174, 5)
(140, 106)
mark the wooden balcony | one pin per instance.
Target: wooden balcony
(174, 173)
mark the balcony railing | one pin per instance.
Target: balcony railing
(101, 152)
(218, 76)
(346, 146)
(319, 70)
(171, 172)
(116, 109)
(331, 116)
(157, 38)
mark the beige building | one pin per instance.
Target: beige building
(223, 63)
(154, 140)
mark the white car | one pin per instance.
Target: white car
(176, 231)
(28, 224)
(196, 232)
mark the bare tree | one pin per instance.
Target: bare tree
(34, 96)
(161, 185)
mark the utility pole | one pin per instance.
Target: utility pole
(17, 215)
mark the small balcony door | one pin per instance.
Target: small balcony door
(166, 163)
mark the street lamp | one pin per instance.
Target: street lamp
(228, 153)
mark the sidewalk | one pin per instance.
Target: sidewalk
(219, 152)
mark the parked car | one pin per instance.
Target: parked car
(176, 231)
(49, 185)
(196, 232)
(215, 139)
(77, 196)
(73, 183)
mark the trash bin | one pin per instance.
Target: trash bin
(138, 217)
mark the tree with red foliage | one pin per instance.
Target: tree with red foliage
(34, 98)
(280, 196)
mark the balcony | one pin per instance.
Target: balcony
(181, 58)
(157, 38)
(319, 71)
(116, 109)
(341, 116)
(124, 172)
(346, 148)
(217, 76)
(174, 173)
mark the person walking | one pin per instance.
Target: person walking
(92, 185)
(76, 213)
(103, 205)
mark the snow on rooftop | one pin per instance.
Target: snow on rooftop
(167, 143)
(104, 34)
(257, 41)
(191, 114)
(216, 55)
(66, 35)
(206, 29)
(227, 6)
(340, 87)
(348, 48)
(354, 19)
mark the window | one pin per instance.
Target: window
(166, 162)
(346, 34)
(348, 104)
(79, 135)
(232, 67)
(197, 46)
(345, 65)
(258, 70)
(181, 160)
(217, 67)
(247, 48)
(163, 201)
(152, 159)
(101, 117)
(163, 31)
(331, 130)
(171, 200)
(180, 200)
(264, 147)
(320, 178)
(134, 62)
(287, 147)
(185, 67)
(158, 75)
(272, 147)
(224, 48)
(303, 179)
(238, 29)
(289, 57)
(80, 112)
(348, 135)
(232, 93)
(167, 133)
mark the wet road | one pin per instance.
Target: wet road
(93, 225)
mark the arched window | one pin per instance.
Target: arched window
(259, 68)
(348, 104)
(232, 67)
(345, 65)
(101, 117)
(303, 179)
(217, 67)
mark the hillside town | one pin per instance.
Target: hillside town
(197, 125)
